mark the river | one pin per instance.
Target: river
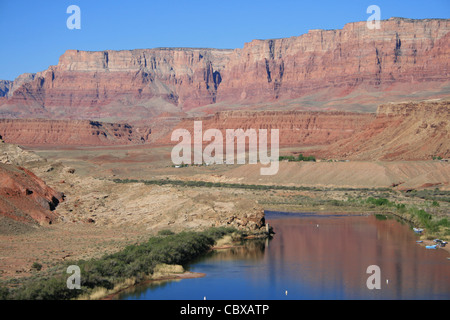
(316, 256)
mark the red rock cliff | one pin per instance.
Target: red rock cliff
(70, 132)
(403, 57)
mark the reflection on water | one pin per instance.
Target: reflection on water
(315, 256)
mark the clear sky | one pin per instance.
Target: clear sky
(34, 33)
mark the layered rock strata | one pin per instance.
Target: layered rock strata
(403, 57)
(71, 132)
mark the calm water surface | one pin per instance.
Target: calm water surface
(316, 256)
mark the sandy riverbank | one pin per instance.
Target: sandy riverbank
(431, 242)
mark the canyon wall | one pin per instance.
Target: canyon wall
(402, 51)
(71, 132)
(397, 131)
(333, 68)
(295, 127)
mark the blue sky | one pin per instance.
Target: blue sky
(34, 33)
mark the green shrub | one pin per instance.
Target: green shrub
(37, 266)
(45, 289)
(423, 216)
(4, 293)
(378, 201)
(165, 232)
(443, 223)
(300, 157)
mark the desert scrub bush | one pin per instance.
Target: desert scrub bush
(378, 201)
(423, 216)
(4, 293)
(165, 232)
(36, 266)
(46, 288)
(219, 232)
(430, 194)
(438, 225)
(300, 157)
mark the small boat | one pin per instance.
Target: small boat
(431, 247)
(419, 241)
(417, 230)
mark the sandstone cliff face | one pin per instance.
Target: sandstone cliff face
(403, 55)
(88, 80)
(408, 51)
(74, 132)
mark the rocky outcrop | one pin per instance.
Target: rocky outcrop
(330, 67)
(26, 198)
(13, 154)
(71, 132)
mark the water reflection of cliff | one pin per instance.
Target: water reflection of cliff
(251, 250)
(326, 253)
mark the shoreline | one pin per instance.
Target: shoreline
(229, 244)
(159, 258)
(225, 243)
(167, 277)
(430, 242)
